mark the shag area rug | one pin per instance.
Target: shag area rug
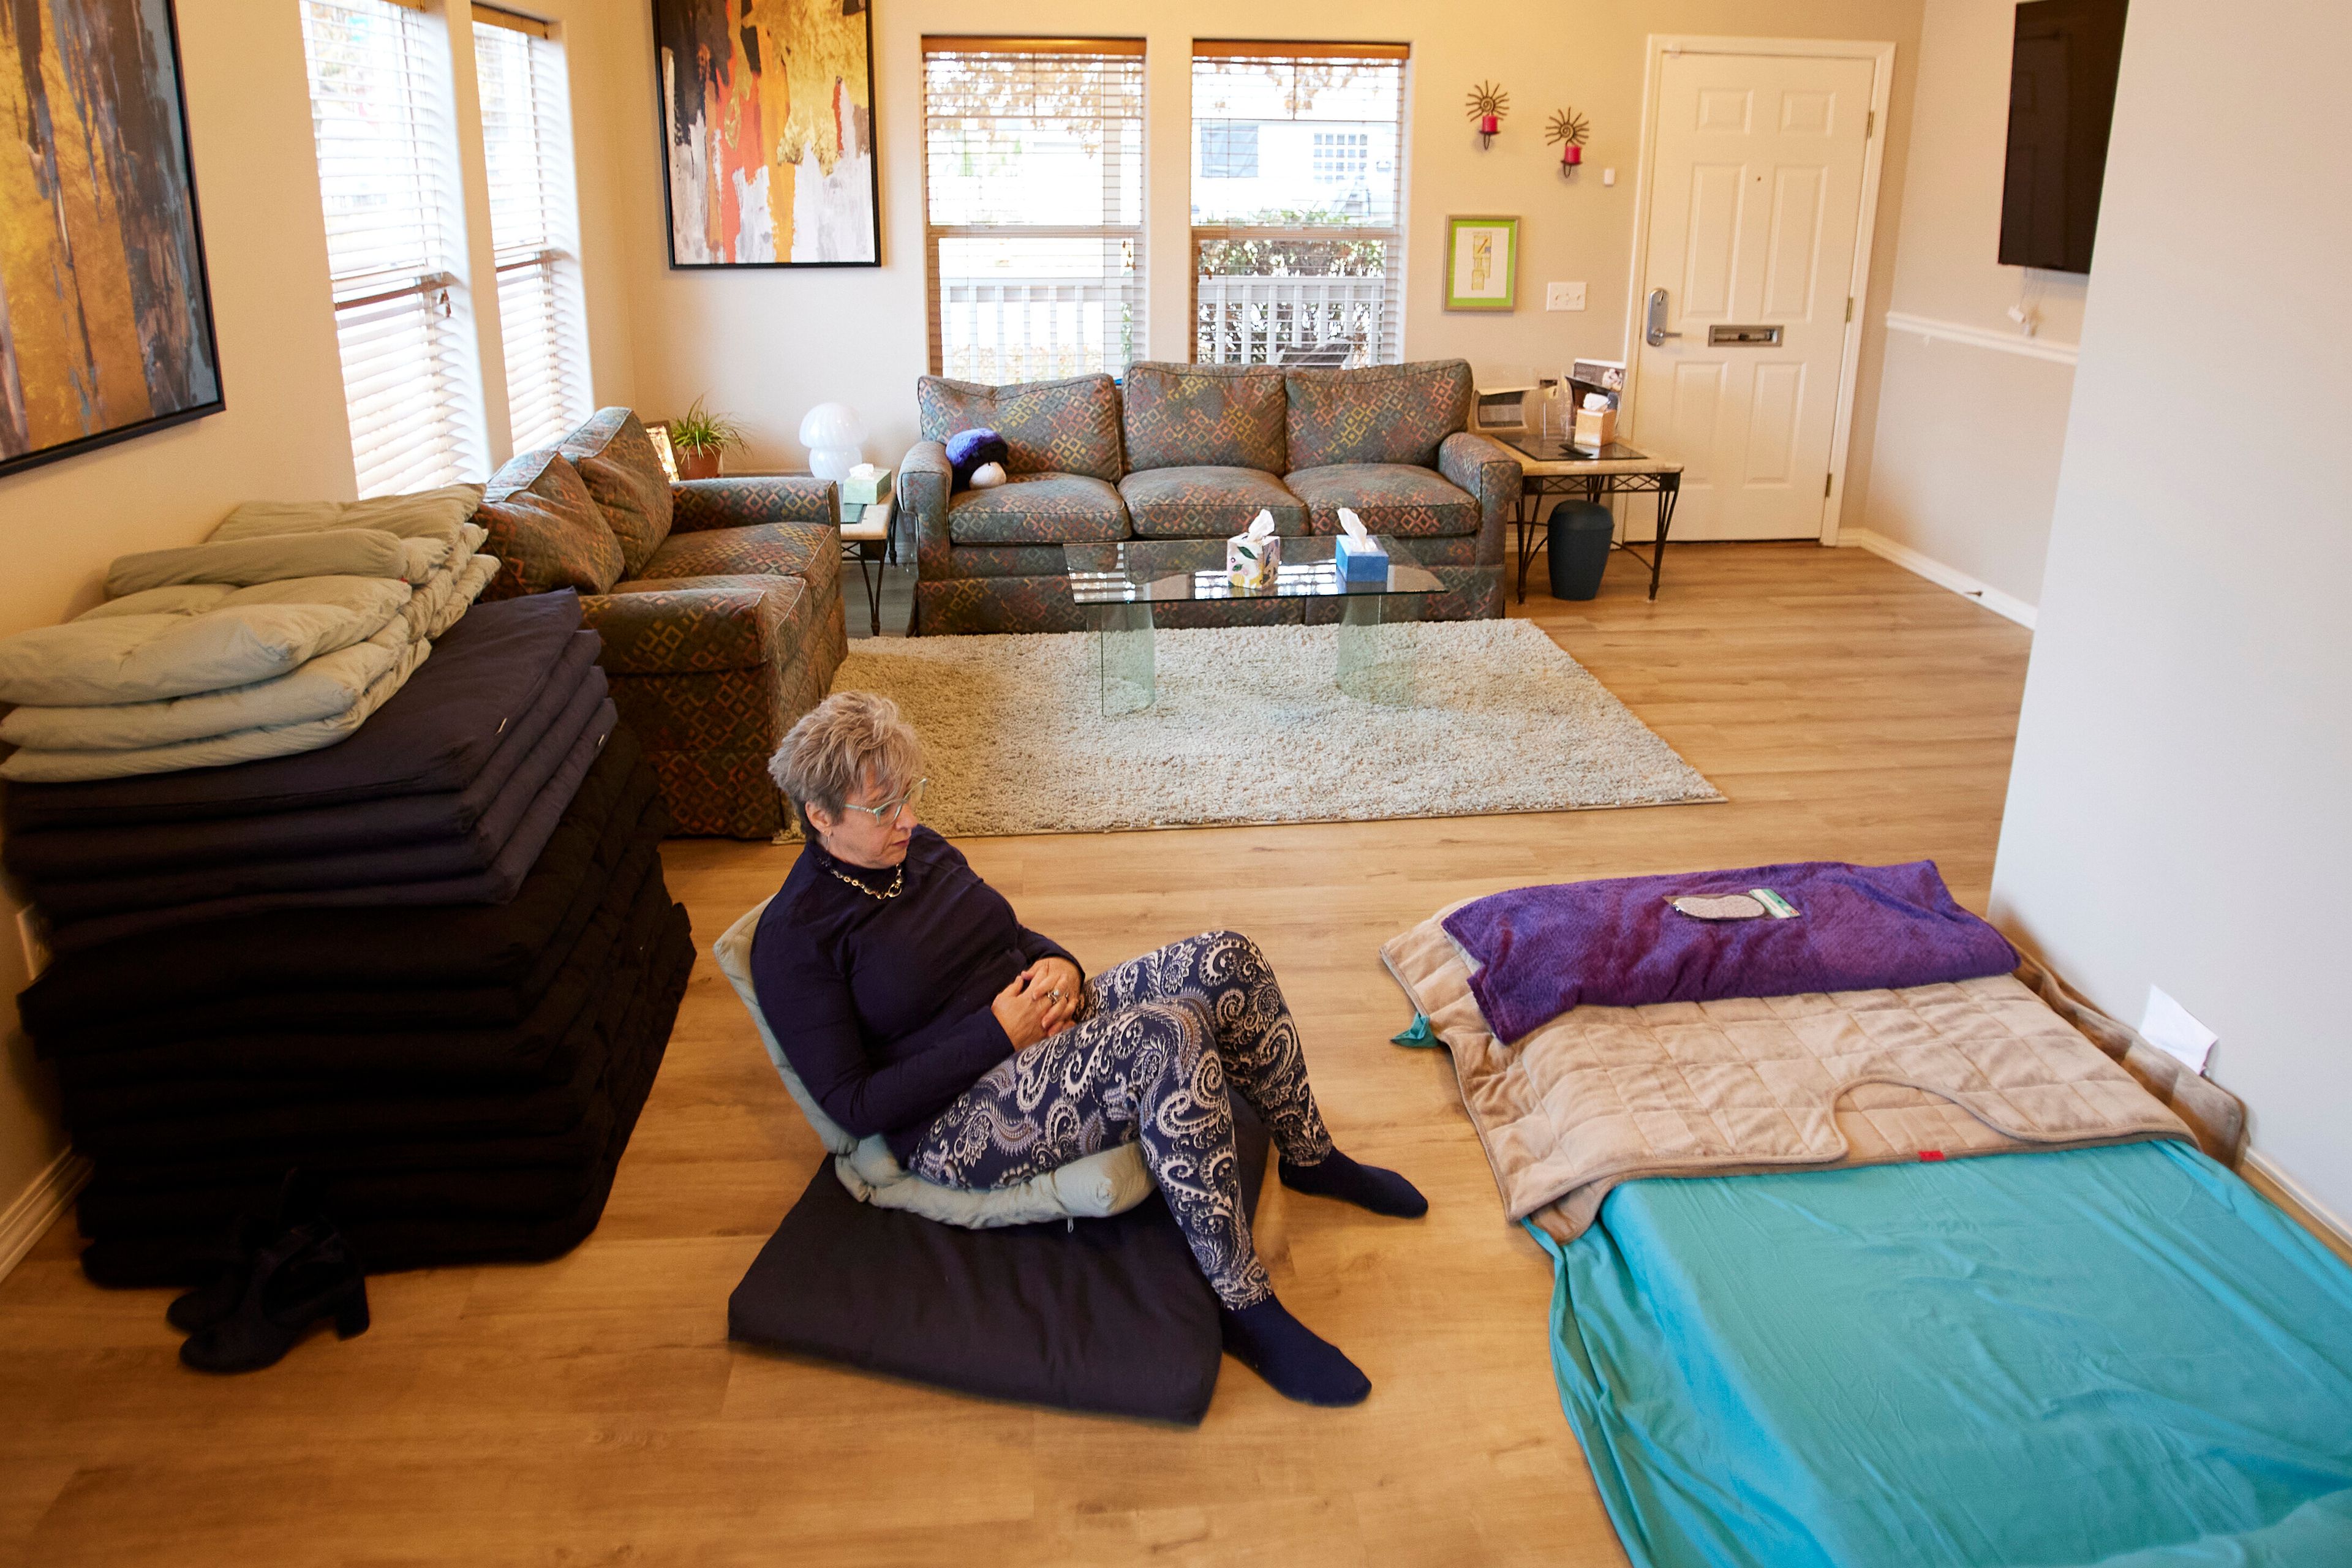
(1249, 727)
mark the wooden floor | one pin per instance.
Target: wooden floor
(590, 1410)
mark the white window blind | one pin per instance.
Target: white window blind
(1299, 254)
(388, 180)
(1033, 182)
(526, 139)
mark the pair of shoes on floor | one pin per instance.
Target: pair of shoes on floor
(1300, 1363)
(282, 1274)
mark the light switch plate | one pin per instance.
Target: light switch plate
(2167, 1025)
(1608, 176)
(1563, 296)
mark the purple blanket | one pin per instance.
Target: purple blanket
(1617, 943)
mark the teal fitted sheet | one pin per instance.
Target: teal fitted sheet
(2118, 1356)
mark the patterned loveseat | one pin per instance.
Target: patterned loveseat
(1196, 451)
(719, 600)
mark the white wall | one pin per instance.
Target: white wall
(283, 433)
(1967, 437)
(2178, 814)
(767, 346)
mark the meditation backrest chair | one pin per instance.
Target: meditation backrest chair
(1095, 1187)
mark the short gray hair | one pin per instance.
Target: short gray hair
(840, 743)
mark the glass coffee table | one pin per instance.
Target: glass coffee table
(1119, 584)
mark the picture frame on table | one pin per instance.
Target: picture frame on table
(1481, 263)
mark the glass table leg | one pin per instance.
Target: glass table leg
(1376, 648)
(1124, 658)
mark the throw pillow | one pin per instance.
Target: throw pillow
(616, 459)
(546, 530)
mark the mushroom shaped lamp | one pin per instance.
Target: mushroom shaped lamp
(832, 431)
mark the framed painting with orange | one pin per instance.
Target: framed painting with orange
(767, 119)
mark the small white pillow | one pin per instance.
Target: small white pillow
(987, 476)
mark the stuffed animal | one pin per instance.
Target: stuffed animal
(969, 450)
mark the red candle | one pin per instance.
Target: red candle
(1489, 123)
(1571, 155)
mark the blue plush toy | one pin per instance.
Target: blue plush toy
(968, 451)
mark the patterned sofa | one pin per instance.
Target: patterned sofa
(1196, 451)
(720, 602)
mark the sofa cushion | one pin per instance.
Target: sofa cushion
(1391, 498)
(1381, 414)
(1184, 416)
(1039, 509)
(682, 626)
(546, 530)
(616, 459)
(1207, 502)
(1052, 426)
(775, 548)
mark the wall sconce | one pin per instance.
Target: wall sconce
(1488, 104)
(1568, 129)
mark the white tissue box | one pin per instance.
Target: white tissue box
(865, 491)
(1360, 563)
(1252, 562)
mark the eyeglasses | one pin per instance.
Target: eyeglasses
(887, 814)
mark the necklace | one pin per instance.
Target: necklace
(897, 883)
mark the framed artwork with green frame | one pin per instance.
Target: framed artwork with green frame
(1481, 263)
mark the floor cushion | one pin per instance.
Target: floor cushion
(1390, 498)
(1106, 1316)
(1207, 502)
(1039, 509)
(1109, 1183)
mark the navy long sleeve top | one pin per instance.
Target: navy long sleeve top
(882, 1004)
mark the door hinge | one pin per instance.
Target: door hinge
(1826, 481)
(1849, 307)
(1869, 124)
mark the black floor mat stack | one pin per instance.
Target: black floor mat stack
(435, 967)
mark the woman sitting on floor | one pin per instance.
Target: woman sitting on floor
(912, 1003)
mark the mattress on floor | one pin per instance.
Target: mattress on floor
(1102, 1316)
(2103, 1356)
(119, 849)
(435, 734)
(400, 1219)
(486, 963)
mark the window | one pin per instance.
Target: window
(1299, 259)
(394, 239)
(526, 138)
(1228, 150)
(1032, 184)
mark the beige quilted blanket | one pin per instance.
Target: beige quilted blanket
(1603, 1095)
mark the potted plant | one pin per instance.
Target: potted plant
(698, 436)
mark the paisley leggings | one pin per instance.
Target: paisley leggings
(1150, 1062)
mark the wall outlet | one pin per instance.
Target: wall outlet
(1563, 296)
(37, 946)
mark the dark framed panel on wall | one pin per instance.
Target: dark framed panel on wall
(767, 125)
(106, 316)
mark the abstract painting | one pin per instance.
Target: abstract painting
(106, 328)
(768, 132)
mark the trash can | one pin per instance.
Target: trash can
(1578, 543)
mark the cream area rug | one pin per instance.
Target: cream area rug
(1249, 727)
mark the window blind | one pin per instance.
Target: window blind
(1032, 184)
(1298, 250)
(388, 183)
(526, 139)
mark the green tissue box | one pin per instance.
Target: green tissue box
(864, 490)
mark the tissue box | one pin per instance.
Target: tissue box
(1365, 562)
(1253, 563)
(1595, 428)
(857, 491)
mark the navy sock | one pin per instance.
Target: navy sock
(1300, 1363)
(1366, 1186)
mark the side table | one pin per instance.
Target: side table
(1550, 468)
(867, 542)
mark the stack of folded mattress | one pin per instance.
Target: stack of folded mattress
(281, 634)
(434, 966)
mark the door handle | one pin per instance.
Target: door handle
(1657, 334)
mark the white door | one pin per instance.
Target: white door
(1755, 192)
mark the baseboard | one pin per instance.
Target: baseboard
(37, 1207)
(2007, 606)
(2315, 1216)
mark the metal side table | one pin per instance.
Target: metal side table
(1551, 469)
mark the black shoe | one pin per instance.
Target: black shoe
(249, 1233)
(304, 1276)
